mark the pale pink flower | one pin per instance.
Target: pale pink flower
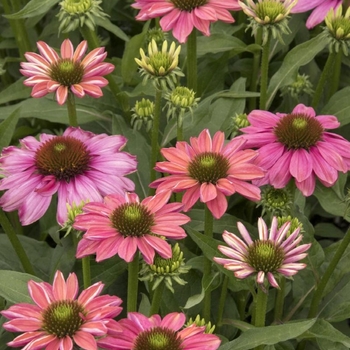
(122, 225)
(48, 72)
(320, 10)
(209, 170)
(141, 332)
(182, 16)
(60, 319)
(79, 166)
(272, 254)
(297, 145)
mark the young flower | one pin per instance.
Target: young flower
(79, 166)
(181, 16)
(200, 322)
(77, 13)
(294, 224)
(143, 114)
(269, 15)
(122, 225)
(321, 8)
(276, 201)
(297, 145)
(143, 333)
(161, 66)
(268, 256)
(301, 85)
(209, 171)
(60, 320)
(48, 72)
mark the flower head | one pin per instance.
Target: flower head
(209, 170)
(269, 15)
(200, 322)
(276, 201)
(301, 85)
(160, 65)
(77, 13)
(143, 114)
(60, 319)
(78, 165)
(297, 146)
(48, 72)
(320, 10)
(143, 333)
(181, 16)
(122, 225)
(268, 256)
(294, 224)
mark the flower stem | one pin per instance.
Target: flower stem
(72, 111)
(222, 300)
(255, 73)
(334, 82)
(280, 300)
(155, 135)
(133, 281)
(324, 77)
(86, 271)
(156, 299)
(208, 232)
(179, 129)
(16, 243)
(192, 61)
(260, 311)
(264, 73)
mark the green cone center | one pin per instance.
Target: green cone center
(63, 157)
(297, 131)
(265, 256)
(160, 62)
(63, 318)
(270, 9)
(67, 72)
(208, 167)
(132, 219)
(158, 338)
(188, 5)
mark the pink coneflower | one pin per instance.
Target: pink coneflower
(182, 16)
(209, 171)
(267, 256)
(60, 320)
(48, 72)
(122, 225)
(143, 333)
(297, 145)
(79, 166)
(321, 8)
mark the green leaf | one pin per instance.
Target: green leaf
(268, 335)
(7, 128)
(108, 25)
(16, 91)
(14, 286)
(33, 8)
(299, 56)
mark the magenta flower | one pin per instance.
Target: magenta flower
(48, 72)
(79, 166)
(268, 256)
(321, 8)
(182, 16)
(141, 332)
(297, 145)
(209, 171)
(122, 225)
(60, 320)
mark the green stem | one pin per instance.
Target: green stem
(155, 135)
(316, 299)
(260, 311)
(156, 299)
(280, 300)
(334, 82)
(208, 232)
(192, 61)
(179, 129)
(264, 73)
(86, 271)
(324, 77)
(16, 243)
(133, 282)
(72, 111)
(222, 300)
(18, 27)
(255, 73)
